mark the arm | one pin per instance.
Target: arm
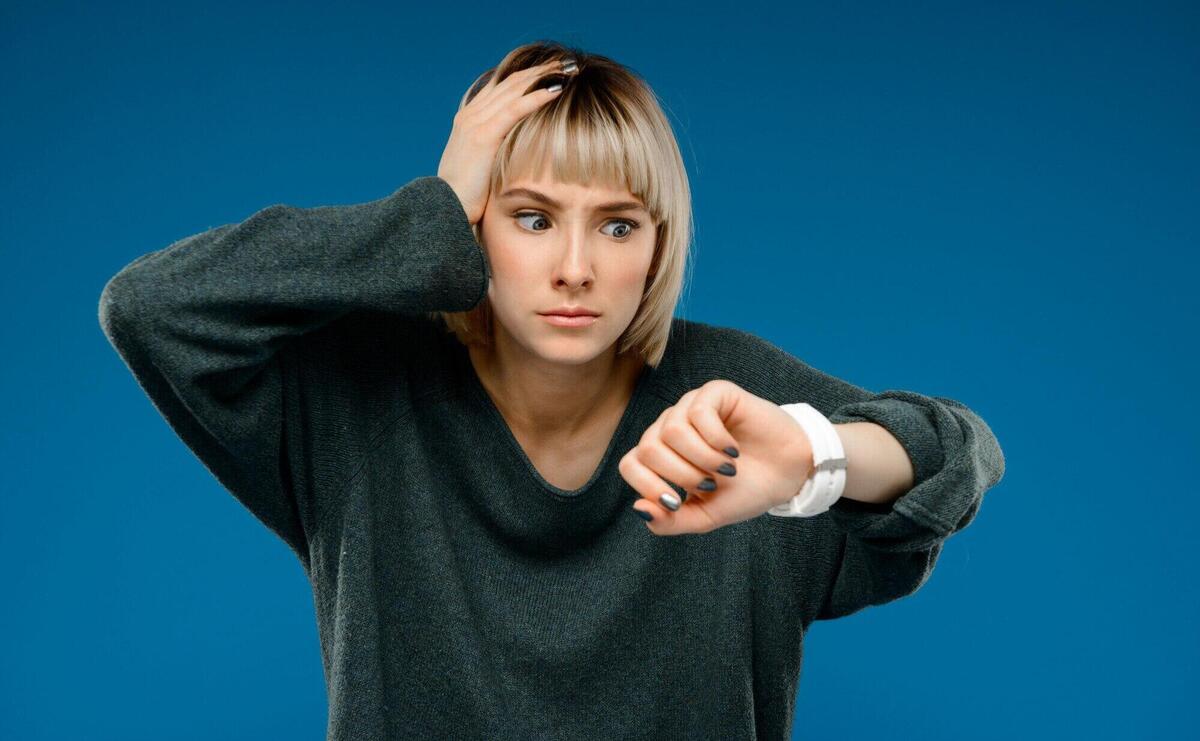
(881, 470)
(889, 548)
(208, 325)
(880, 543)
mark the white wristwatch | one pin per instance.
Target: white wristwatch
(827, 481)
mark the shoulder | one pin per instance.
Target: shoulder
(701, 352)
(704, 352)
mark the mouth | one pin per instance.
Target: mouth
(570, 320)
(570, 311)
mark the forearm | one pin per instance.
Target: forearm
(877, 467)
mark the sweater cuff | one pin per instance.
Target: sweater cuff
(457, 268)
(939, 502)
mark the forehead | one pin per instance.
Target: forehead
(567, 192)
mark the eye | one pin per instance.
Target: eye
(626, 226)
(530, 214)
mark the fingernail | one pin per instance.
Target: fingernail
(707, 485)
(731, 451)
(644, 515)
(568, 65)
(555, 87)
(669, 500)
(727, 469)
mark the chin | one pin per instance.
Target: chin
(564, 347)
(569, 352)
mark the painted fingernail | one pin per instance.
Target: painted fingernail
(707, 485)
(727, 469)
(644, 515)
(555, 87)
(731, 451)
(669, 500)
(568, 65)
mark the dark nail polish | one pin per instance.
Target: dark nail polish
(707, 485)
(727, 469)
(732, 452)
(644, 515)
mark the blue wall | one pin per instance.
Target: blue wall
(1012, 184)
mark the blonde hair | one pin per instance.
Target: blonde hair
(607, 127)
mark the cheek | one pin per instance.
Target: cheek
(509, 264)
(632, 273)
(636, 264)
(504, 255)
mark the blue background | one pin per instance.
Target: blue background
(995, 203)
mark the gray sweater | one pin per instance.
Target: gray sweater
(458, 593)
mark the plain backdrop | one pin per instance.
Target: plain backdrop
(991, 202)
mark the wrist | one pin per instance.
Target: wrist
(827, 465)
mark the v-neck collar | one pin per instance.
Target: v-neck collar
(479, 392)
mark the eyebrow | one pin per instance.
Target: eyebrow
(547, 200)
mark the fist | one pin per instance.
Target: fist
(735, 455)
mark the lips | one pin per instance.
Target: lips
(579, 320)
(569, 312)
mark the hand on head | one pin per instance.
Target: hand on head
(481, 125)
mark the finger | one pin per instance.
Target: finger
(505, 113)
(484, 82)
(554, 66)
(649, 485)
(691, 432)
(502, 94)
(682, 455)
(687, 482)
(710, 428)
(672, 467)
(691, 517)
(493, 82)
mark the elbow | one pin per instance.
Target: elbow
(109, 312)
(992, 457)
(121, 311)
(997, 471)
(986, 454)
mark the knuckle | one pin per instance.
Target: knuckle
(674, 429)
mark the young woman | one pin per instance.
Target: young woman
(523, 524)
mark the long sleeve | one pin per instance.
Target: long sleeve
(208, 325)
(889, 551)
(873, 553)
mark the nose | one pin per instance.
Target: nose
(575, 265)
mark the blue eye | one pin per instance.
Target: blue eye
(526, 214)
(628, 225)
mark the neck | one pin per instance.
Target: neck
(547, 400)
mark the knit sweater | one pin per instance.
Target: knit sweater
(458, 594)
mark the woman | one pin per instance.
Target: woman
(385, 386)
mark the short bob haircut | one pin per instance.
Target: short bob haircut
(605, 127)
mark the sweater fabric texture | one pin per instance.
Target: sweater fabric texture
(457, 593)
